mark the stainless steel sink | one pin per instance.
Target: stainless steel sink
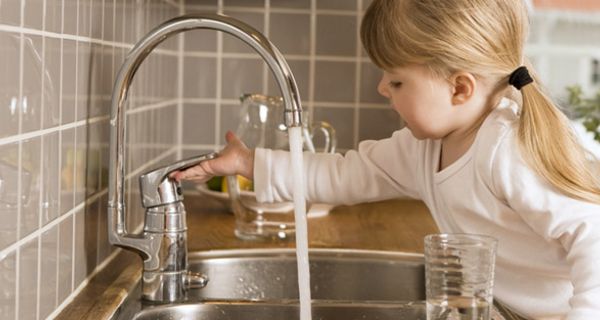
(262, 284)
(343, 275)
(265, 311)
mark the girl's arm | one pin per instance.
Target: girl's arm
(379, 170)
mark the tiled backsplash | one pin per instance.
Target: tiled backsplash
(58, 61)
(321, 44)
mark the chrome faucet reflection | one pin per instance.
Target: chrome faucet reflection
(162, 245)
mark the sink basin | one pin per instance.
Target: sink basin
(342, 275)
(266, 311)
(262, 284)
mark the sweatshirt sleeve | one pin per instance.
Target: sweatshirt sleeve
(378, 170)
(570, 223)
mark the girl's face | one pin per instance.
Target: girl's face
(423, 100)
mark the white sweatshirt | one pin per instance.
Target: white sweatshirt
(548, 259)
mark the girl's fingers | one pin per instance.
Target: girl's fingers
(187, 174)
(230, 136)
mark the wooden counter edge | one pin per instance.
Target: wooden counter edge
(106, 290)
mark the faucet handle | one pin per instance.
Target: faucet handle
(158, 189)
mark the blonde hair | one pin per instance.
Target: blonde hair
(485, 38)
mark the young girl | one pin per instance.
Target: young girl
(482, 162)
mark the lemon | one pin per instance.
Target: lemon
(243, 183)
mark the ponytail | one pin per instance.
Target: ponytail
(550, 147)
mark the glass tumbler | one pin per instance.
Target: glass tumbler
(459, 276)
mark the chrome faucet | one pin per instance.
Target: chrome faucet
(163, 244)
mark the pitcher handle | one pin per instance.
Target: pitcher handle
(328, 132)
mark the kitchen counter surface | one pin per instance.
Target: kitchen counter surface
(396, 225)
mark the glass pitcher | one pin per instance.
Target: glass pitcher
(261, 125)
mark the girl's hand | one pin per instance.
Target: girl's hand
(234, 159)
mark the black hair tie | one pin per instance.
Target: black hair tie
(520, 78)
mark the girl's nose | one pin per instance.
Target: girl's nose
(382, 88)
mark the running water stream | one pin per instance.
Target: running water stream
(295, 134)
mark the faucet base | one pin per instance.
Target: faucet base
(164, 287)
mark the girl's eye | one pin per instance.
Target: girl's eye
(395, 84)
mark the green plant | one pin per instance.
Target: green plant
(587, 109)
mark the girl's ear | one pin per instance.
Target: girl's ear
(463, 87)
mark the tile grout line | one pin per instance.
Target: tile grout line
(49, 34)
(358, 70)
(33, 134)
(150, 107)
(20, 169)
(311, 60)
(321, 103)
(60, 138)
(288, 57)
(18, 249)
(334, 12)
(266, 25)
(74, 225)
(180, 71)
(219, 81)
(42, 173)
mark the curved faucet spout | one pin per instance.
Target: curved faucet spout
(293, 111)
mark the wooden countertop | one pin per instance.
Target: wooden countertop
(396, 225)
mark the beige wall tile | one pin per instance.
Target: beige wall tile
(49, 250)
(241, 76)
(334, 81)
(53, 16)
(67, 170)
(199, 77)
(9, 83)
(65, 258)
(30, 185)
(28, 280)
(10, 12)
(333, 36)
(51, 81)
(337, 4)
(50, 178)
(31, 99)
(70, 17)
(9, 200)
(376, 124)
(290, 32)
(34, 14)
(296, 4)
(8, 274)
(69, 73)
(199, 123)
